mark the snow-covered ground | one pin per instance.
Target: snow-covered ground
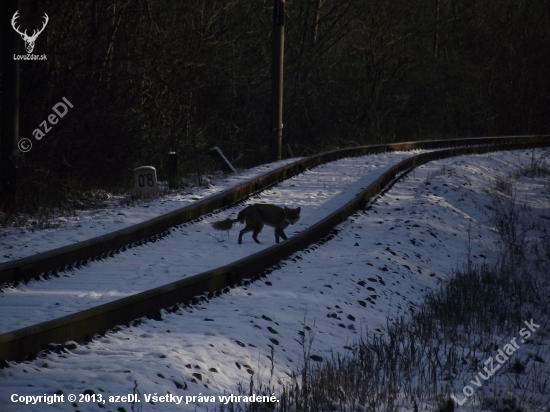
(191, 249)
(380, 264)
(16, 243)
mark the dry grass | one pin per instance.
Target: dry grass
(420, 361)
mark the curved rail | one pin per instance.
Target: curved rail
(17, 345)
(31, 267)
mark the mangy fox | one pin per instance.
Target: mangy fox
(258, 215)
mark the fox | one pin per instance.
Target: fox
(257, 215)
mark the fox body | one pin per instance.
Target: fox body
(258, 215)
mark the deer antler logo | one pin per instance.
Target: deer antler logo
(29, 40)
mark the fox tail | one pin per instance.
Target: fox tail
(224, 224)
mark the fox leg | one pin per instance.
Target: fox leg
(257, 231)
(242, 232)
(279, 233)
(250, 228)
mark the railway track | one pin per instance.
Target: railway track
(16, 345)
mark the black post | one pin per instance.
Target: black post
(173, 182)
(9, 151)
(277, 69)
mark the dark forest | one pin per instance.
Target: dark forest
(147, 77)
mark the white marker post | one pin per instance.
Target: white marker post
(145, 178)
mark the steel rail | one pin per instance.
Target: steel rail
(82, 326)
(76, 254)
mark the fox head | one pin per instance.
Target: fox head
(292, 215)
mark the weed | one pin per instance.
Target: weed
(421, 360)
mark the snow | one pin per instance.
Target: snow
(191, 248)
(378, 265)
(16, 243)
